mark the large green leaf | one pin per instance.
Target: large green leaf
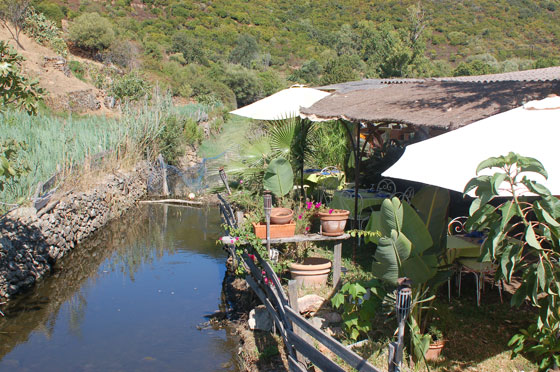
(432, 203)
(413, 227)
(279, 177)
(420, 269)
(391, 216)
(390, 254)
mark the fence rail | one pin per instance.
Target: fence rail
(295, 330)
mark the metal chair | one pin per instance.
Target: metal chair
(327, 186)
(407, 195)
(471, 265)
(386, 185)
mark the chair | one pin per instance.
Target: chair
(407, 195)
(386, 185)
(470, 265)
(363, 215)
(327, 186)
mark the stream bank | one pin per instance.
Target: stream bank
(32, 241)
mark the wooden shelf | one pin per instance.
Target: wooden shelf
(307, 238)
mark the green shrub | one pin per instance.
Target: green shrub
(191, 48)
(457, 38)
(123, 53)
(130, 87)
(178, 132)
(53, 12)
(244, 83)
(341, 69)
(245, 52)
(77, 69)
(92, 32)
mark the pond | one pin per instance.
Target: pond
(130, 298)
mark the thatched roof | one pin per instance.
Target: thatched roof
(446, 103)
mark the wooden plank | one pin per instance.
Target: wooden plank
(171, 201)
(295, 366)
(272, 311)
(337, 264)
(272, 276)
(314, 355)
(293, 296)
(307, 238)
(336, 347)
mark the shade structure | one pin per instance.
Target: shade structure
(282, 105)
(450, 160)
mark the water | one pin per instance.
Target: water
(129, 299)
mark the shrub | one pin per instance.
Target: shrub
(52, 11)
(244, 83)
(123, 53)
(191, 49)
(341, 69)
(245, 52)
(308, 73)
(77, 69)
(92, 32)
(457, 38)
(476, 67)
(130, 87)
(176, 134)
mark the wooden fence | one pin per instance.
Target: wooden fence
(295, 330)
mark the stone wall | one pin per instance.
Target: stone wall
(32, 241)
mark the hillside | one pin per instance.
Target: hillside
(63, 90)
(237, 51)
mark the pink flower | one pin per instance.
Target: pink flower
(241, 182)
(309, 205)
(318, 205)
(252, 257)
(300, 217)
(236, 238)
(330, 211)
(307, 228)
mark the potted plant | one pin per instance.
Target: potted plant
(436, 345)
(333, 221)
(311, 272)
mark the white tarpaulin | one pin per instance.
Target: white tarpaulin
(281, 105)
(450, 160)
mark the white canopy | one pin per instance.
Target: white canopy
(283, 104)
(450, 160)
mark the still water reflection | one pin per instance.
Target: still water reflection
(128, 299)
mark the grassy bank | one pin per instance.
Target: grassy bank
(65, 143)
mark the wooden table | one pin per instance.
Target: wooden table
(319, 238)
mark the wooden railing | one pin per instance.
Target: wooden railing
(295, 330)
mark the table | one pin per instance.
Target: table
(337, 264)
(461, 246)
(345, 200)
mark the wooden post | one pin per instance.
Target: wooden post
(292, 298)
(163, 174)
(337, 264)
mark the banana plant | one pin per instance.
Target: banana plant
(409, 245)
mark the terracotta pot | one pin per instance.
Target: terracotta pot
(279, 216)
(435, 350)
(312, 272)
(276, 231)
(333, 224)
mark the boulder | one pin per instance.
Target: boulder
(310, 303)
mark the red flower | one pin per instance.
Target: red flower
(330, 211)
(300, 217)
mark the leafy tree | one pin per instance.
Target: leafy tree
(271, 82)
(123, 53)
(16, 89)
(245, 52)
(191, 49)
(244, 83)
(130, 87)
(476, 67)
(341, 69)
(308, 73)
(12, 16)
(9, 170)
(92, 32)
(347, 41)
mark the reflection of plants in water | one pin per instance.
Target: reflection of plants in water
(77, 306)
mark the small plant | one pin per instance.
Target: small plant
(358, 310)
(435, 333)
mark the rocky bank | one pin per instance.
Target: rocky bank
(31, 241)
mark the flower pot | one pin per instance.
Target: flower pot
(435, 350)
(276, 231)
(333, 224)
(312, 272)
(280, 216)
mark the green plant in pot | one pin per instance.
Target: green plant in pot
(410, 243)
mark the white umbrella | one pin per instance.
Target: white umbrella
(283, 104)
(450, 160)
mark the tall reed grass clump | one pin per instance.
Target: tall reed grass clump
(62, 144)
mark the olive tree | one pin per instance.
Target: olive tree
(12, 16)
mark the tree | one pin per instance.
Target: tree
(245, 51)
(244, 83)
(308, 73)
(341, 69)
(12, 15)
(92, 32)
(16, 89)
(191, 49)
